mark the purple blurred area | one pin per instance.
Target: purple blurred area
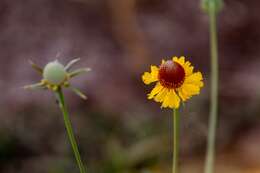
(117, 128)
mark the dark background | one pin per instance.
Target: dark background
(117, 128)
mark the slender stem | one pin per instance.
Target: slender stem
(70, 130)
(210, 157)
(176, 125)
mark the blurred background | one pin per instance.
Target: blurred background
(117, 128)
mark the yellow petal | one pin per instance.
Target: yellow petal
(175, 58)
(158, 87)
(180, 60)
(188, 90)
(171, 100)
(160, 96)
(188, 68)
(195, 79)
(163, 61)
(191, 86)
(183, 94)
(191, 89)
(151, 77)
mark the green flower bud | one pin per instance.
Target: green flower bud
(55, 76)
(55, 73)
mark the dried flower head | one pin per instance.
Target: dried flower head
(55, 76)
(176, 81)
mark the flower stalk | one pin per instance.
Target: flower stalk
(70, 130)
(212, 7)
(176, 140)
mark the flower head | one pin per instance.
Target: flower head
(55, 76)
(175, 82)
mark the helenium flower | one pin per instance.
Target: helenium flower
(175, 82)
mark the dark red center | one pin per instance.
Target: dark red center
(171, 74)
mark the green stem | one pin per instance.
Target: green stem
(70, 130)
(176, 126)
(210, 157)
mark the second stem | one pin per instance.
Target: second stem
(210, 156)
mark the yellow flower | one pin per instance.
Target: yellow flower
(175, 82)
